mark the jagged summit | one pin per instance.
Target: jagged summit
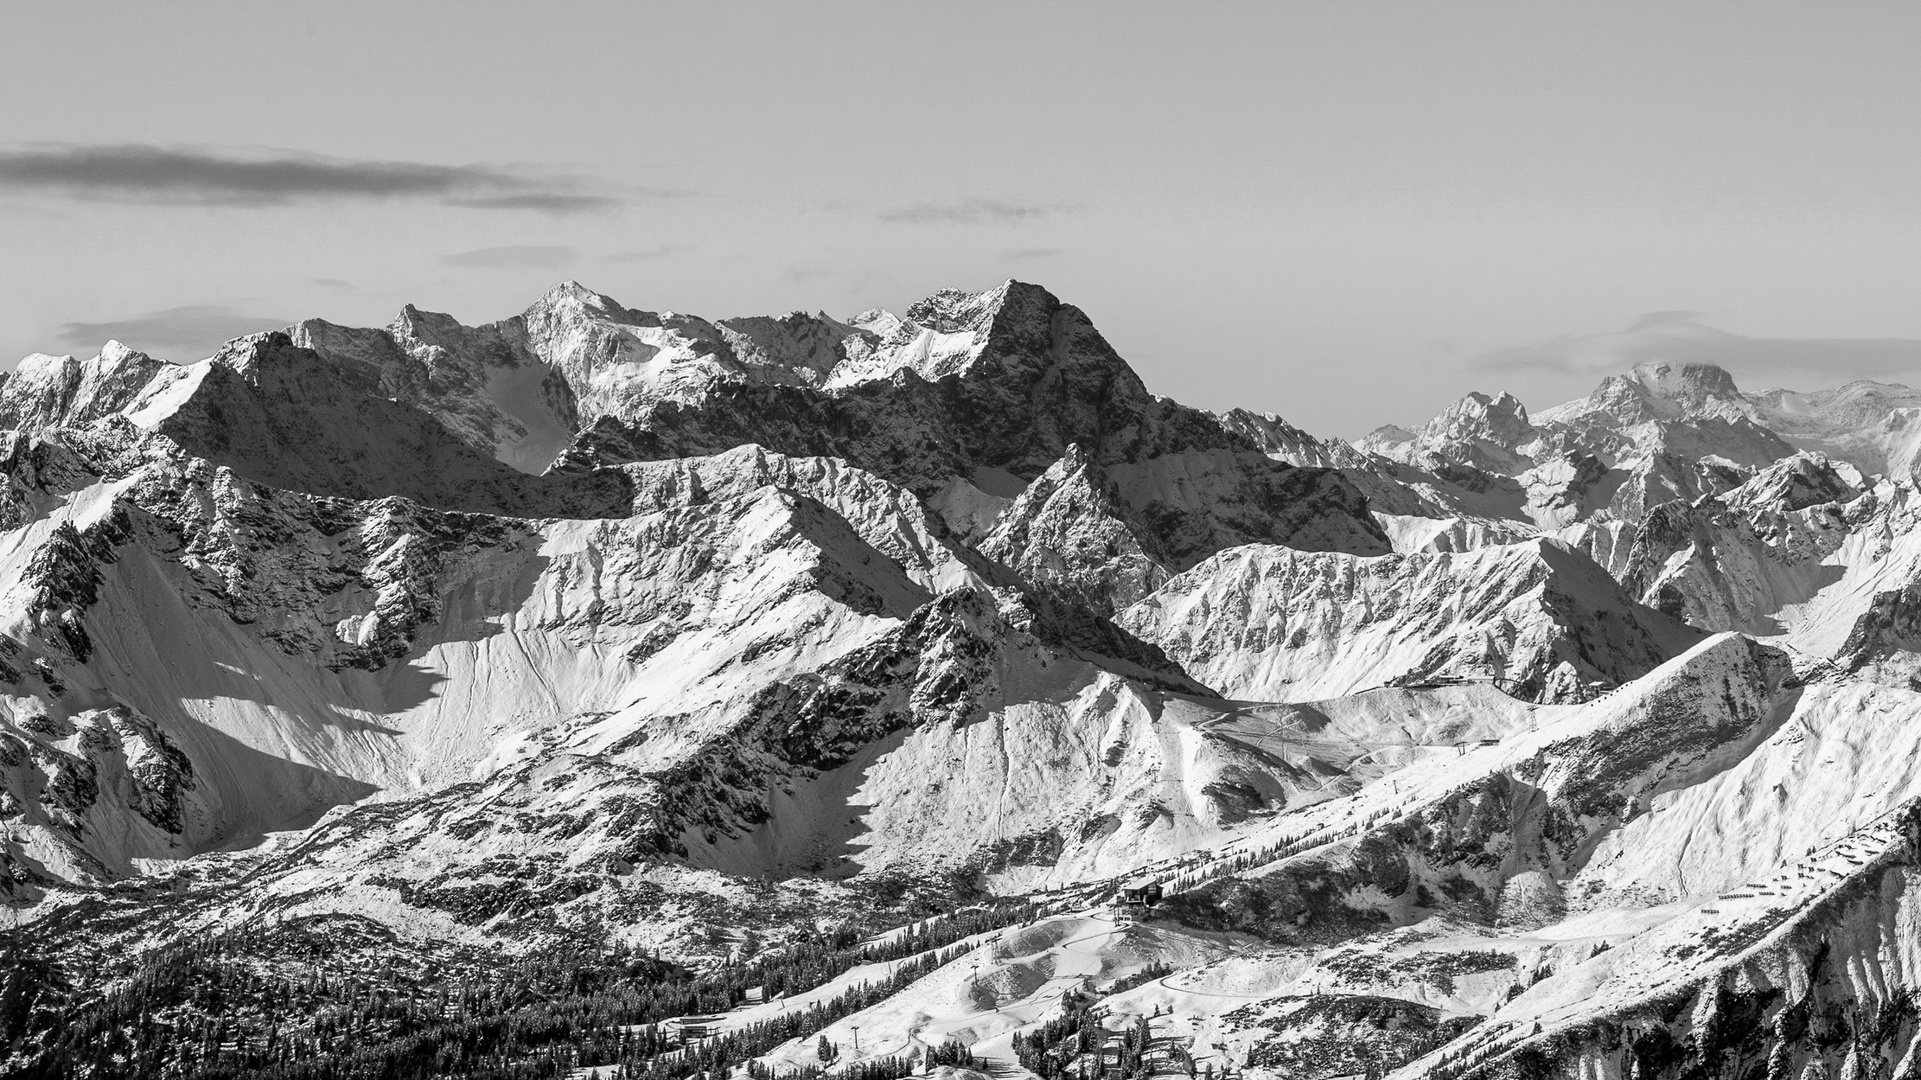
(53, 391)
(1659, 392)
(955, 310)
(1479, 430)
(1692, 384)
(573, 293)
(598, 674)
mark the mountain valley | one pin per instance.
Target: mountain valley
(605, 692)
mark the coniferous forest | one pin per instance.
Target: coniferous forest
(291, 1000)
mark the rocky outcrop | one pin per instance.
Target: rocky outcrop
(1273, 624)
(1283, 441)
(84, 790)
(1763, 982)
(47, 392)
(285, 416)
(1036, 379)
(812, 616)
(1451, 841)
(1488, 433)
(1070, 532)
(484, 384)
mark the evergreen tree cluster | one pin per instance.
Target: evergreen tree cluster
(952, 1053)
(1076, 1045)
(717, 1056)
(1051, 1050)
(882, 1068)
(231, 1006)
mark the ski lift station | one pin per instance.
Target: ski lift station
(1142, 892)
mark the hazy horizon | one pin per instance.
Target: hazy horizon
(1346, 214)
(1675, 337)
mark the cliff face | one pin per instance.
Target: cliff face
(1569, 742)
(1272, 623)
(1805, 973)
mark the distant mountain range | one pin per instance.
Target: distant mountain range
(447, 700)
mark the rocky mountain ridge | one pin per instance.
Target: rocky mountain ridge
(1517, 743)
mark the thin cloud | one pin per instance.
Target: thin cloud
(969, 212)
(176, 333)
(176, 175)
(548, 202)
(647, 254)
(1679, 337)
(513, 257)
(334, 283)
(1030, 254)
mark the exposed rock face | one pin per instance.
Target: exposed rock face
(84, 788)
(1767, 989)
(1072, 531)
(1008, 381)
(1661, 391)
(1449, 842)
(1573, 742)
(1274, 624)
(1479, 431)
(485, 384)
(1866, 424)
(47, 392)
(1283, 441)
(286, 416)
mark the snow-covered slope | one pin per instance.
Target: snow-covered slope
(1867, 424)
(58, 391)
(485, 384)
(1575, 742)
(1483, 432)
(306, 651)
(1036, 380)
(1276, 624)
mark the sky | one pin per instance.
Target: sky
(1347, 213)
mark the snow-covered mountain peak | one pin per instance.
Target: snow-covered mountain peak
(1384, 437)
(1269, 623)
(879, 321)
(48, 391)
(1283, 441)
(1693, 385)
(116, 351)
(249, 356)
(1488, 433)
(429, 326)
(572, 294)
(1796, 483)
(1856, 404)
(797, 345)
(819, 628)
(1501, 414)
(1490, 423)
(1861, 422)
(1658, 391)
(952, 311)
(946, 333)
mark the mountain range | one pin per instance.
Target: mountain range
(612, 692)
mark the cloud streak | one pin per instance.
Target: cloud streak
(969, 212)
(1678, 337)
(177, 333)
(196, 176)
(648, 254)
(513, 257)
